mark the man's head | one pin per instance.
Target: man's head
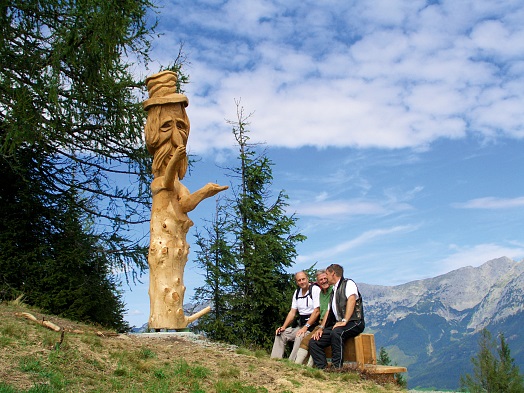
(302, 279)
(322, 279)
(334, 273)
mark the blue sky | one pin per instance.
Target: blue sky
(396, 127)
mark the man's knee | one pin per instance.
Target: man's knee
(313, 345)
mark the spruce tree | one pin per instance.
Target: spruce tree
(262, 240)
(215, 256)
(383, 357)
(385, 360)
(494, 370)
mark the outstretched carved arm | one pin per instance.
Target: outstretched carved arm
(189, 201)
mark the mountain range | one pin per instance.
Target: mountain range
(432, 326)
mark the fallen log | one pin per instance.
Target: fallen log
(107, 334)
(43, 322)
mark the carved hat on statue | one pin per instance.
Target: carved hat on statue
(162, 90)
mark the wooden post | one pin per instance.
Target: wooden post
(166, 132)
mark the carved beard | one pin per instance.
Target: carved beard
(160, 159)
(179, 138)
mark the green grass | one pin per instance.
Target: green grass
(237, 387)
(32, 362)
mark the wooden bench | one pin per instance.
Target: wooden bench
(361, 351)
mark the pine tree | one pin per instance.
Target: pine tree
(491, 373)
(265, 244)
(215, 256)
(74, 168)
(48, 254)
(383, 357)
(510, 379)
(67, 92)
(262, 241)
(385, 360)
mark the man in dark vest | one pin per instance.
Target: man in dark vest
(344, 319)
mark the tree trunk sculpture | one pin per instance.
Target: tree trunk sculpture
(166, 132)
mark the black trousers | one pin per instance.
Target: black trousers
(336, 339)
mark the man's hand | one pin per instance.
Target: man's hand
(317, 334)
(302, 331)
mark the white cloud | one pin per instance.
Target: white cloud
(341, 249)
(134, 313)
(388, 74)
(475, 256)
(339, 209)
(491, 203)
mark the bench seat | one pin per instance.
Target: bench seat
(361, 351)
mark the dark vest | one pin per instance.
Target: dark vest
(358, 312)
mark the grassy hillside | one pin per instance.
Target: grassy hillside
(89, 359)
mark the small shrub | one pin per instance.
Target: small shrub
(50, 339)
(9, 330)
(295, 382)
(160, 374)
(184, 370)
(91, 340)
(5, 342)
(315, 373)
(6, 388)
(260, 353)
(244, 351)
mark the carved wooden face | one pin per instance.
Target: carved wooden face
(174, 121)
(167, 128)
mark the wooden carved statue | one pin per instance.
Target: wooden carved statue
(166, 132)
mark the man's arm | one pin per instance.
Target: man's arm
(315, 295)
(312, 319)
(350, 306)
(289, 320)
(322, 325)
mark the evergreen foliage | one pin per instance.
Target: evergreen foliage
(71, 125)
(216, 256)
(383, 357)
(261, 245)
(66, 91)
(385, 360)
(494, 369)
(49, 256)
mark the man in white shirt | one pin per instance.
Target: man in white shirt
(305, 302)
(345, 319)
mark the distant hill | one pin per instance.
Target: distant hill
(432, 326)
